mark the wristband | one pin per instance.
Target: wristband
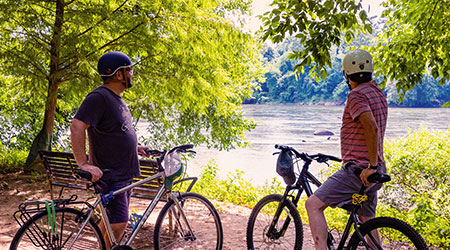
(373, 167)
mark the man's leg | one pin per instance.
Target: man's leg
(118, 230)
(117, 210)
(317, 222)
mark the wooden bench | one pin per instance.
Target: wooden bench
(60, 167)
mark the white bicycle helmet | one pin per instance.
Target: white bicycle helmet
(357, 61)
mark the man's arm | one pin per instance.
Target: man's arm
(371, 136)
(142, 151)
(78, 139)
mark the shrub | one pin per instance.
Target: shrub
(11, 160)
(234, 189)
(419, 192)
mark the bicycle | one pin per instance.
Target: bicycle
(269, 225)
(186, 220)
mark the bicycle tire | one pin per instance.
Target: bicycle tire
(34, 233)
(261, 218)
(395, 234)
(202, 218)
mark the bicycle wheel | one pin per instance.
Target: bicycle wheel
(171, 231)
(258, 234)
(395, 234)
(36, 233)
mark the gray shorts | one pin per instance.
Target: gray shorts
(338, 189)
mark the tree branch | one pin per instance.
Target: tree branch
(429, 19)
(105, 18)
(117, 38)
(29, 33)
(30, 62)
(112, 41)
(105, 45)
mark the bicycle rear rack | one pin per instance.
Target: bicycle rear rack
(39, 235)
(29, 209)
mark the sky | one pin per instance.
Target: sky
(261, 6)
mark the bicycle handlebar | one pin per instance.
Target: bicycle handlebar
(87, 175)
(181, 149)
(153, 152)
(321, 158)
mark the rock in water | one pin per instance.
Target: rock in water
(323, 132)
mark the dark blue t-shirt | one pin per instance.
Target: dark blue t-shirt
(112, 139)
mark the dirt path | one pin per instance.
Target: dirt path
(15, 189)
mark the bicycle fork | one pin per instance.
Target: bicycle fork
(189, 234)
(272, 233)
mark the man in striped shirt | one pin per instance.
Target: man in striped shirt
(362, 133)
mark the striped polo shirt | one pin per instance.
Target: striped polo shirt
(366, 97)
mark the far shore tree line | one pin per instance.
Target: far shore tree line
(281, 84)
(196, 67)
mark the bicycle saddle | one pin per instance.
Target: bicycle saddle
(376, 177)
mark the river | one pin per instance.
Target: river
(295, 125)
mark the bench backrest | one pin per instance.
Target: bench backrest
(60, 167)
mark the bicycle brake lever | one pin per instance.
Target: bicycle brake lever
(153, 152)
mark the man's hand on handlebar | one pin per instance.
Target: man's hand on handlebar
(142, 151)
(94, 170)
(365, 173)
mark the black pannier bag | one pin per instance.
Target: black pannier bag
(285, 167)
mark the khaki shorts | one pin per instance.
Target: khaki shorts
(338, 189)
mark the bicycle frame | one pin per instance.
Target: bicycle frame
(163, 190)
(301, 185)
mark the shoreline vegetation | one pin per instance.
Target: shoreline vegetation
(418, 193)
(337, 104)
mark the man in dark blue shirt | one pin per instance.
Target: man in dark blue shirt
(112, 139)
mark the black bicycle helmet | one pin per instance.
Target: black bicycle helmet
(110, 62)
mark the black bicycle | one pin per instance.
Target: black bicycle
(270, 227)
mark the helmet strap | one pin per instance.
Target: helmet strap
(347, 81)
(126, 81)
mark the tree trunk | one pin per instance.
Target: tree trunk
(43, 140)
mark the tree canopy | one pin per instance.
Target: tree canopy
(319, 25)
(413, 43)
(282, 86)
(194, 66)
